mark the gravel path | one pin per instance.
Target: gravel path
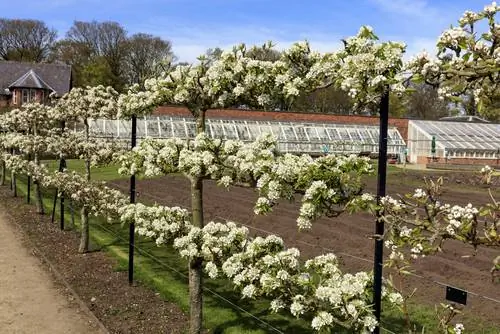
(30, 302)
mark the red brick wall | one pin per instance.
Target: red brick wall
(400, 123)
(4, 101)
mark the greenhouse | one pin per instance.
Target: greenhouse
(447, 141)
(293, 137)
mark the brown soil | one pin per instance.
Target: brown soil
(92, 276)
(348, 235)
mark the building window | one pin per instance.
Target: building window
(14, 97)
(28, 95)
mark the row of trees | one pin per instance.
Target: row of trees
(100, 53)
(365, 69)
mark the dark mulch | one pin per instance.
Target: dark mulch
(93, 276)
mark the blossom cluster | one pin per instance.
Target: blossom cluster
(31, 116)
(468, 59)
(328, 183)
(96, 196)
(82, 103)
(364, 68)
(262, 267)
(419, 223)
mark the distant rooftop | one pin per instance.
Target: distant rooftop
(55, 77)
(31, 80)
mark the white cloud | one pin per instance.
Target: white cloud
(190, 41)
(420, 44)
(420, 9)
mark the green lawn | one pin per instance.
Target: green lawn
(162, 269)
(104, 173)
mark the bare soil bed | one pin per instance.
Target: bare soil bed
(348, 235)
(93, 276)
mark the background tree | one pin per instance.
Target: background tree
(213, 54)
(25, 40)
(491, 108)
(145, 57)
(265, 52)
(425, 103)
(97, 52)
(330, 100)
(398, 105)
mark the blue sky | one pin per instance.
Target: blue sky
(196, 25)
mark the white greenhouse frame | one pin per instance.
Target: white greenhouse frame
(453, 140)
(293, 137)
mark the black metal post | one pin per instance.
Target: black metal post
(28, 192)
(54, 207)
(61, 206)
(11, 174)
(379, 226)
(14, 179)
(62, 167)
(132, 201)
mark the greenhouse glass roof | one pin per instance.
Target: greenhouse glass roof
(292, 136)
(462, 136)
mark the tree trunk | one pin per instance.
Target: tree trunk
(196, 264)
(84, 238)
(38, 190)
(13, 183)
(2, 178)
(200, 121)
(39, 198)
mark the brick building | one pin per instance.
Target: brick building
(32, 82)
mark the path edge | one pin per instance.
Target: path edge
(58, 276)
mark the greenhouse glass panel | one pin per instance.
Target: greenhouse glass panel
(264, 128)
(124, 128)
(179, 129)
(190, 129)
(322, 133)
(312, 134)
(230, 130)
(152, 128)
(141, 128)
(354, 134)
(289, 132)
(243, 132)
(166, 128)
(301, 134)
(344, 134)
(217, 131)
(333, 133)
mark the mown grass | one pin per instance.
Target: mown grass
(162, 269)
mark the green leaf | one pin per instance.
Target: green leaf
(480, 106)
(486, 37)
